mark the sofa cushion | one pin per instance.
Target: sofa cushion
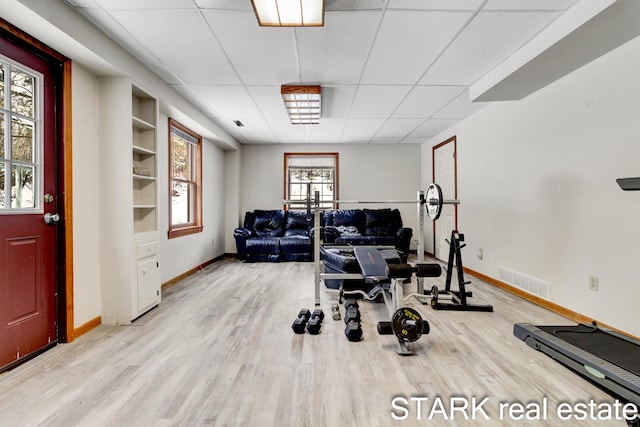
(297, 224)
(381, 222)
(295, 245)
(366, 240)
(349, 218)
(269, 223)
(261, 249)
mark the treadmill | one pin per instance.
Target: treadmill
(606, 358)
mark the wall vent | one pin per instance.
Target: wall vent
(525, 282)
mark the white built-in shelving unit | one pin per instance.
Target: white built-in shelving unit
(129, 206)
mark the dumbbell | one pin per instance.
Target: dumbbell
(353, 330)
(335, 310)
(300, 323)
(351, 311)
(352, 314)
(313, 326)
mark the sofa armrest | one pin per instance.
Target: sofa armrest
(404, 236)
(331, 233)
(404, 233)
(242, 232)
(241, 235)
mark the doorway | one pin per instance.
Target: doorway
(34, 293)
(445, 175)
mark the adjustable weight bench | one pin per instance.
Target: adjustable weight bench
(405, 322)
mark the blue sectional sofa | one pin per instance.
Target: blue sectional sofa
(275, 235)
(374, 227)
(287, 235)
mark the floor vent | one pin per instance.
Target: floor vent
(526, 283)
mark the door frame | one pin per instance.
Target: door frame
(453, 140)
(64, 238)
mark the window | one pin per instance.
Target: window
(320, 170)
(185, 186)
(20, 139)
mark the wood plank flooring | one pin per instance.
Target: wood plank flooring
(220, 351)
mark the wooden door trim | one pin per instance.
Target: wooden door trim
(64, 280)
(453, 139)
(66, 182)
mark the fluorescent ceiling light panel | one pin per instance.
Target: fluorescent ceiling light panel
(289, 13)
(303, 103)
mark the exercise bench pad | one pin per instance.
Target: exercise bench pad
(372, 264)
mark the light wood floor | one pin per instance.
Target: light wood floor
(220, 351)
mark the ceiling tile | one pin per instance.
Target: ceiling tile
(377, 101)
(459, 108)
(256, 129)
(145, 4)
(269, 101)
(435, 4)
(231, 102)
(409, 140)
(408, 42)
(343, 5)
(107, 24)
(528, 4)
(344, 42)
(488, 40)
(288, 133)
(337, 100)
(186, 46)
(224, 4)
(328, 131)
(82, 3)
(423, 101)
(360, 130)
(397, 128)
(260, 55)
(431, 128)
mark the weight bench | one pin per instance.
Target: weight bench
(340, 262)
(405, 322)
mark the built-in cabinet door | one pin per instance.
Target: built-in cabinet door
(148, 281)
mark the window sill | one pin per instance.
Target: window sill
(184, 231)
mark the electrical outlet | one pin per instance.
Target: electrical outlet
(593, 283)
(213, 242)
(480, 254)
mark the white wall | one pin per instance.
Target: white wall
(233, 212)
(181, 254)
(366, 172)
(86, 193)
(536, 179)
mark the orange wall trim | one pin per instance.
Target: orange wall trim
(83, 329)
(558, 309)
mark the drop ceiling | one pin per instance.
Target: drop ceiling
(394, 71)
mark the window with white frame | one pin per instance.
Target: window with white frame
(20, 139)
(185, 186)
(317, 171)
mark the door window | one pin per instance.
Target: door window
(20, 141)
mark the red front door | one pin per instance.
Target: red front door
(27, 192)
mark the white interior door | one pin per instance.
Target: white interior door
(444, 171)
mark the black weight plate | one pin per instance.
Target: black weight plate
(407, 324)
